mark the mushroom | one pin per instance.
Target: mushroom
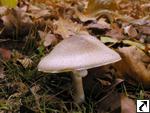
(77, 54)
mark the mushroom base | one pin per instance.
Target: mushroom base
(79, 96)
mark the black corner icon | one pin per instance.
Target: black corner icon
(143, 106)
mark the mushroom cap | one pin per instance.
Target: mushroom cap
(78, 52)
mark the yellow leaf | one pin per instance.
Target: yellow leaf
(97, 5)
(139, 45)
(9, 3)
(108, 39)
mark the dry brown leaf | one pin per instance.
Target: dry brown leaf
(26, 62)
(131, 31)
(104, 82)
(34, 91)
(16, 21)
(37, 12)
(84, 18)
(115, 32)
(48, 38)
(144, 30)
(3, 10)
(94, 75)
(132, 65)
(16, 17)
(96, 5)
(111, 102)
(101, 24)
(127, 105)
(66, 28)
(2, 75)
(19, 87)
(133, 8)
(6, 54)
(146, 8)
(142, 21)
(9, 20)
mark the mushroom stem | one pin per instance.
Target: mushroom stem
(79, 96)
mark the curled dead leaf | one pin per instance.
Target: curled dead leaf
(26, 62)
(48, 38)
(101, 24)
(131, 31)
(84, 18)
(104, 82)
(66, 28)
(132, 65)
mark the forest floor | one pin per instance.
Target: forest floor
(30, 31)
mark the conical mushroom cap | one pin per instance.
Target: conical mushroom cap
(78, 53)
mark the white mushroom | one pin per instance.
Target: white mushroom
(77, 54)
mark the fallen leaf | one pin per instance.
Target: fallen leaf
(6, 54)
(110, 103)
(108, 40)
(144, 30)
(101, 24)
(3, 10)
(9, 3)
(133, 43)
(37, 12)
(26, 62)
(14, 20)
(48, 38)
(20, 87)
(145, 5)
(131, 31)
(34, 90)
(132, 66)
(66, 28)
(96, 5)
(116, 32)
(142, 21)
(127, 105)
(104, 82)
(8, 19)
(84, 18)
(2, 75)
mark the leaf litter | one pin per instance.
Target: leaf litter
(30, 31)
